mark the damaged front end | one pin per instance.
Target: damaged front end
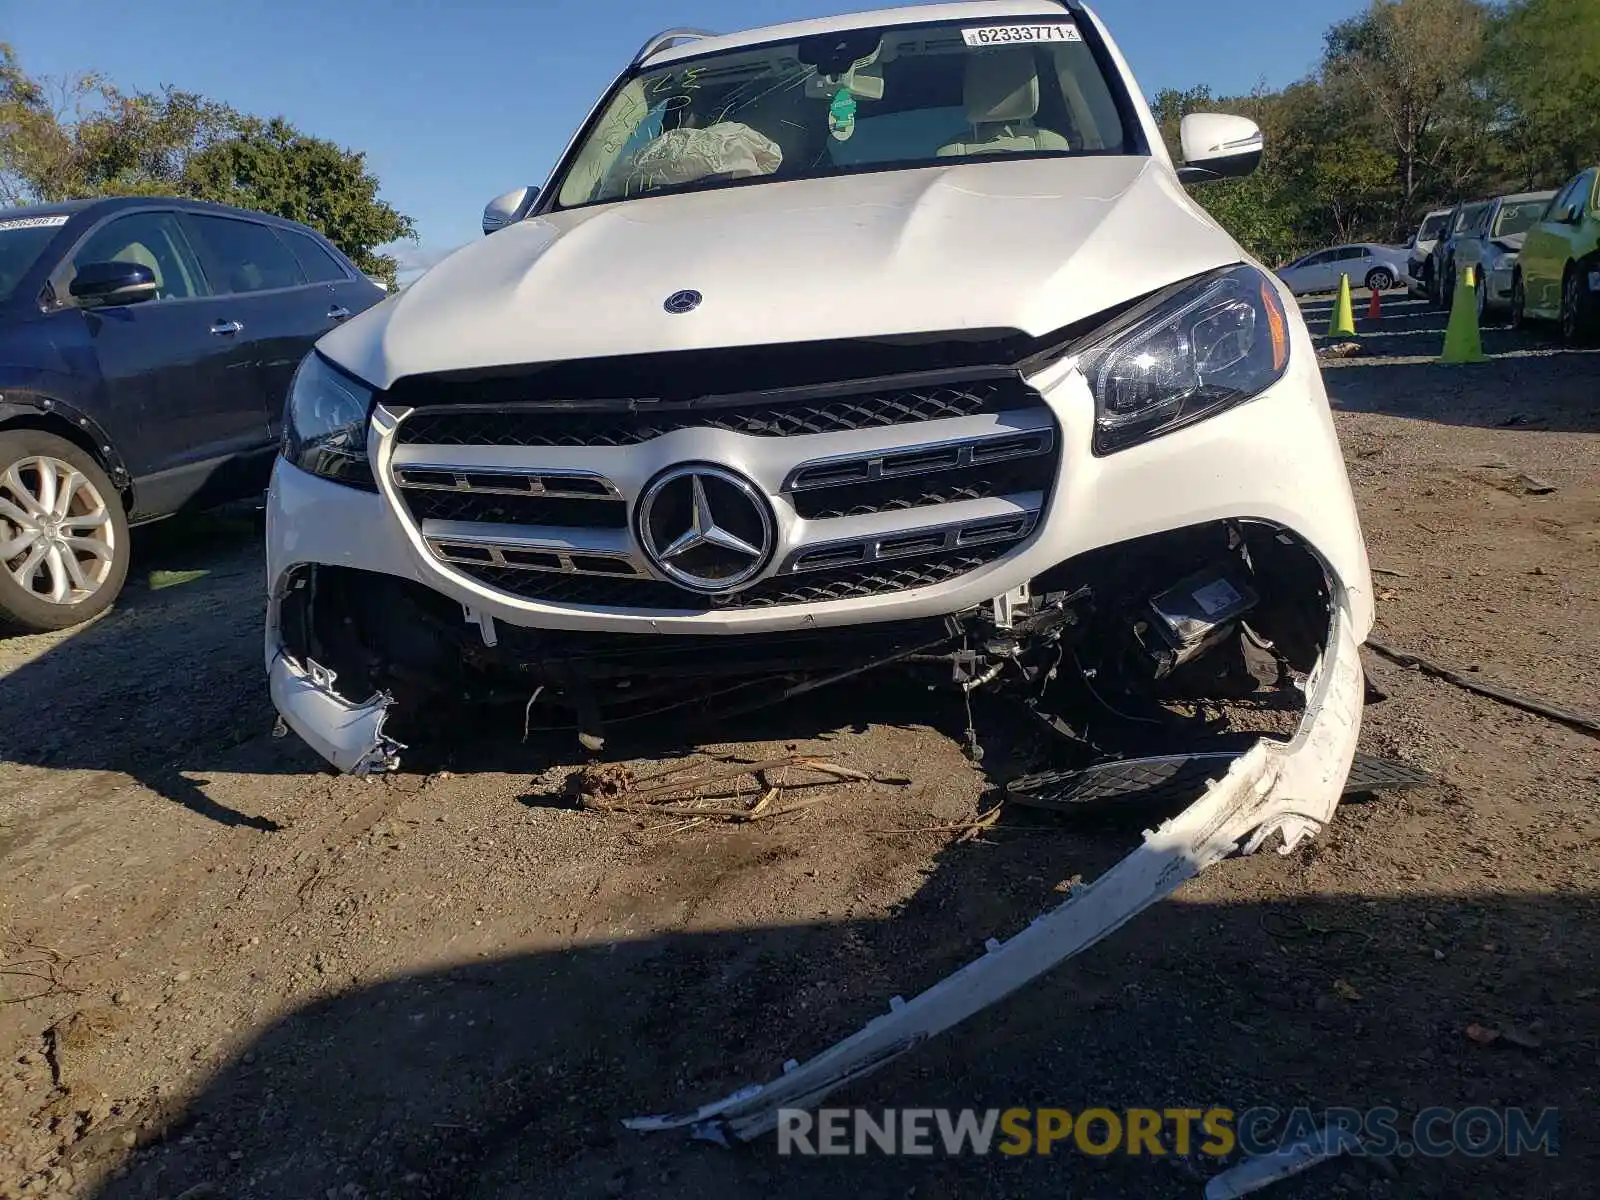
(1161, 644)
(1229, 645)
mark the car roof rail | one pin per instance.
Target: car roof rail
(668, 37)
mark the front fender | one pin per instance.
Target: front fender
(37, 408)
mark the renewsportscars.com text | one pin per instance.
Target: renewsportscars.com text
(1477, 1132)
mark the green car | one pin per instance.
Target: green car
(1558, 273)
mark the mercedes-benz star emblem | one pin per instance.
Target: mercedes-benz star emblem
(705, 528)
(683, 302)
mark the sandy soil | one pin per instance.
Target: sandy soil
(249, 978)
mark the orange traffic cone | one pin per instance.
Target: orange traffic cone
(1374, 308)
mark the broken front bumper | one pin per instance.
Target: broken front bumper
(1290, 788)
(350, 736)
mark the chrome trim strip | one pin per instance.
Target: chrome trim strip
(537, 481)
(613, 543)
(561, 562)
(911, 543)
(517, 547)
(888, 463)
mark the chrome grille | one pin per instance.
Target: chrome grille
(881, 486)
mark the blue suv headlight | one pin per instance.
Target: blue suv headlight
(325, 423)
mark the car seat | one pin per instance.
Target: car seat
(1002, 98)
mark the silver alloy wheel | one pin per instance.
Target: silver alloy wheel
(57, 540)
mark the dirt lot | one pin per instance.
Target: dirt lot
(250, 978)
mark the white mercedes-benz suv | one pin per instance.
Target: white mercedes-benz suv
(890, 339)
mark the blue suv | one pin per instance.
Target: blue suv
(146, 347)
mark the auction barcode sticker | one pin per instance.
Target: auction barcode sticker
(35, 222)
(1005, 35)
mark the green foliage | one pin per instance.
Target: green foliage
(82, 137)
(271, 166)
(1544, 61)
(1416, 104)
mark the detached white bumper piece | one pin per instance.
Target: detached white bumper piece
(350, 736)
(1290, 788)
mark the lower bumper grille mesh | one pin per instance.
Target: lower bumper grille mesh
(874, 579)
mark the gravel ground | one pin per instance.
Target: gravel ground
(250, 978)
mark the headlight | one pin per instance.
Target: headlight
(325, 423)
(1185, 355)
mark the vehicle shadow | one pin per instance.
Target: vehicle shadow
(1530, 380)
(169, 680)
(1556, 392)
(509, 1078)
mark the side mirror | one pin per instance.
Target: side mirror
(513, 206)
(1218, 146)
(106, 284)
(1411, 242)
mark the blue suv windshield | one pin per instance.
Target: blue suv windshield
(22, 240)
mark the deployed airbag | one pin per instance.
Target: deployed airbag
(729, 148)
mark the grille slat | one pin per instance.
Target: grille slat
(629, 426)
(921, 491)
(500, 509)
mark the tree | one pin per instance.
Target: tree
(33, 147)
(80, 136)
(1411, 61)
(1260, 211)
(1543, 72)
(271, 166)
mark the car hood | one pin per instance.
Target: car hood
(1028, 245)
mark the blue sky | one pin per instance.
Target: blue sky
(455, 103)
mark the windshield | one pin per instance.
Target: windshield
(22, 239)
(1433, 227)
(1519, 217)
(850, 100)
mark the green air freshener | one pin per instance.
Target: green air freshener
(842, 115)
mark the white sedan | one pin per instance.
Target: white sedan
(1368, 264)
